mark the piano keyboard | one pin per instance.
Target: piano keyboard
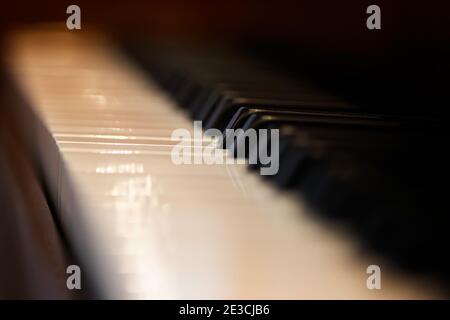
(144, 227)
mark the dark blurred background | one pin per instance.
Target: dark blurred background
(334, 25)
(327, 41)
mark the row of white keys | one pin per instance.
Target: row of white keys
(153, 229)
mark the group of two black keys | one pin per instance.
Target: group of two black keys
(372, 170)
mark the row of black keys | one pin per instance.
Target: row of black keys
(383, 174)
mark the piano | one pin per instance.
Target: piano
(88, 119)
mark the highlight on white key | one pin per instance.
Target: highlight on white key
(255, 147)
